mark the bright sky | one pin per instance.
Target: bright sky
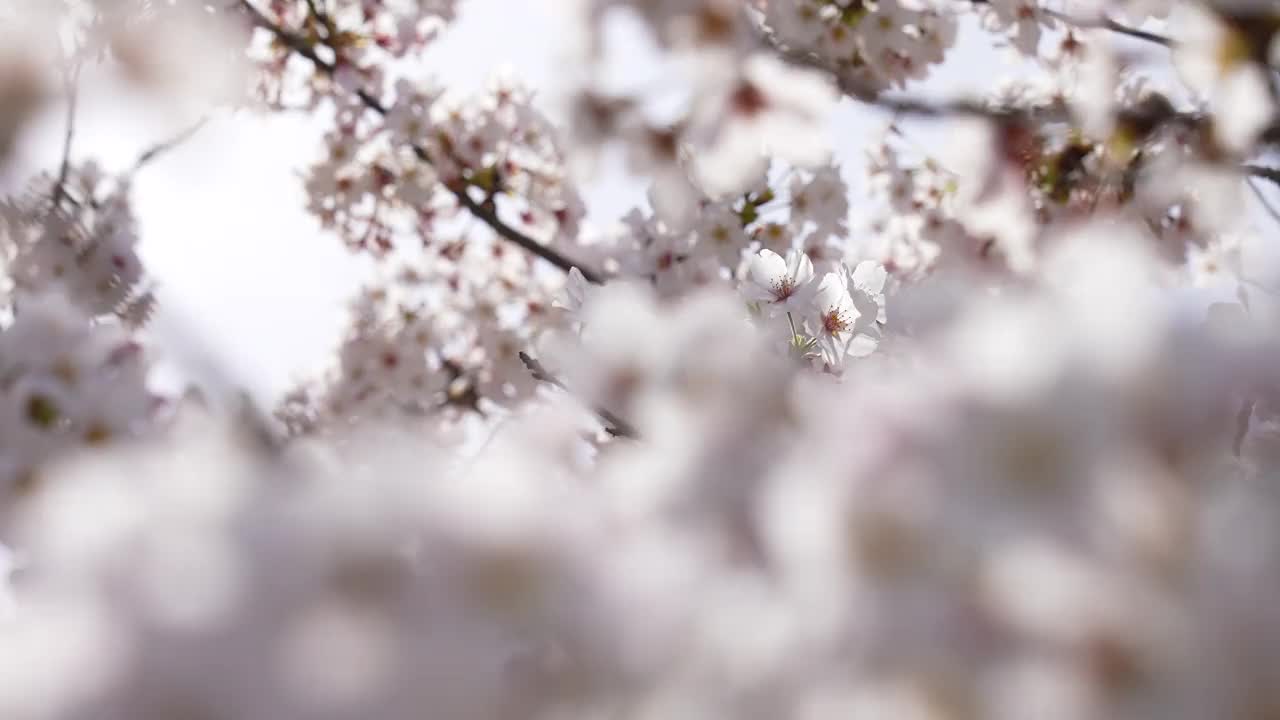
(252, 291)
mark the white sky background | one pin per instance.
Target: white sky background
(252, 292)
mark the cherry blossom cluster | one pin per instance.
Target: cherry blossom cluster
(452, 319)
(455, 306)
(954, 444)
(393, 181)
(834, 316)
(690, 237)
(1053, 157)
(74, 374)
(357, 38)
(71, 373)
(716, 205)
(66, 382)
(439, 337)
(403, 169)
(77, 231)
(870, 46)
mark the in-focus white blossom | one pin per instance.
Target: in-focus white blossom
(780, 285)
(835, 318)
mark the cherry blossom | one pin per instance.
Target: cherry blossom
(780, 285)
(835, 317)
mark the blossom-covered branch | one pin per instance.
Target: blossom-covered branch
(486, 215)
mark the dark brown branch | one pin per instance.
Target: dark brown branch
(490, 218)
(311, 5)
(614, 425)
(300, 46)
(1107, 23)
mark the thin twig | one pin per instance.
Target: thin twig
(614, 425)
(151, 153)
(1262, 199)
(300, 46)
(1113, 26)
(1106, 23)
(64, 169)
(509, 233)
(538, 371)
(1265, 173)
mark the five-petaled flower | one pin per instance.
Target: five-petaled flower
(836, 317)
(780, 285)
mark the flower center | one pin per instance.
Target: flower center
(748, 100)
(782, 289)
(834, 322)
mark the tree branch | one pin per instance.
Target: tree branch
(1264, 173)
(1106, 23)
(300, 46)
